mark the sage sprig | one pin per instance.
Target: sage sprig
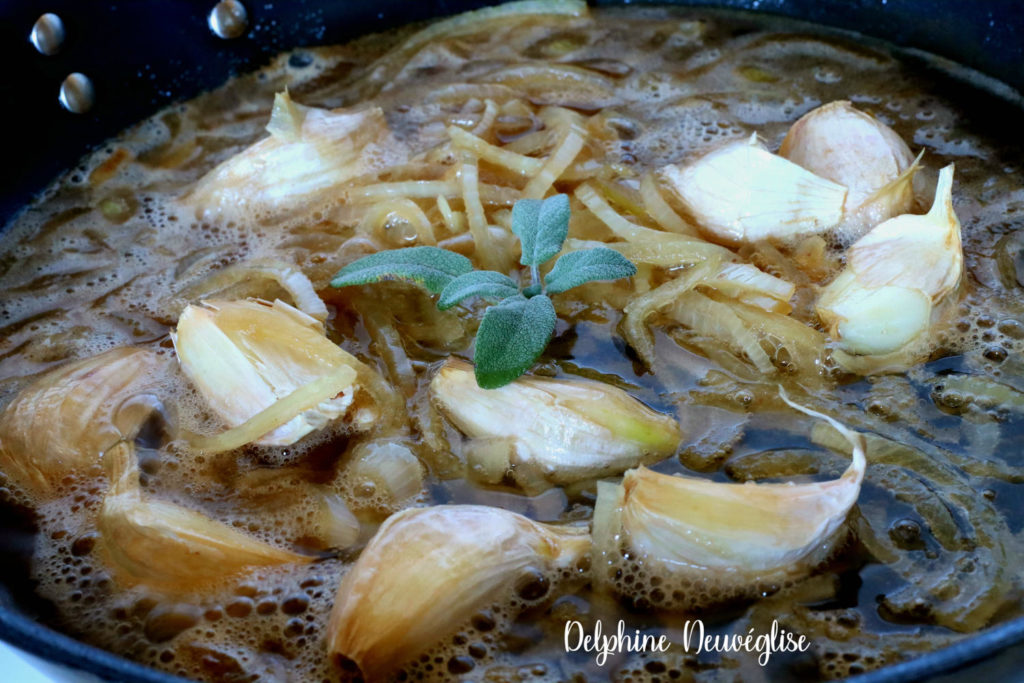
(517, 329)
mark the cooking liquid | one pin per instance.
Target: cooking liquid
(100, 259)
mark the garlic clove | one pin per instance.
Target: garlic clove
(847, 146)
(168, 546)
(922, 252)
(60, 424)
(309, 153)
(892, 199)
(244, 356)
(562, 430)
(386, 472)
(741, 193)
(428, 570)
(894, 276)
(735, 539)
(488, 459)
(873, 321)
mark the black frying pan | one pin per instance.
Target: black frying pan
(144, 54)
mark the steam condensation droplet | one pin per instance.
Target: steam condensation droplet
(47, 34)
(77, 94)
(228, 19)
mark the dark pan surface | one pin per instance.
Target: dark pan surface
(145, 54)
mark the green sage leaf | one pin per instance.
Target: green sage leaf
(429, 267)
(511, 337)
(541, 226)
(485, 283)
(587, 265)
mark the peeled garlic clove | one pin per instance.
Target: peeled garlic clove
(895, 274)
(563, 430)
(428, 570)
(708, 541)
(923, 252)
(892, 199)
(847, 146)
(742, 193)
(167, 545)
(244, 356)
(309, 152)
(61, 424)
(873, 321)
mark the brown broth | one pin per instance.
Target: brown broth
(77, 280)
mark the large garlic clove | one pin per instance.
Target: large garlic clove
(61, 424)
(883, 299)
(852, 148)
(309, 153)
(166, 545)
(244, 356)
(923, 252)
(428, 570)
(559, 430)
(708, 541)
(742, 193)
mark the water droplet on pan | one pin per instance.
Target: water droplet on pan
(228, 19)
(77, 94)
(47, 34)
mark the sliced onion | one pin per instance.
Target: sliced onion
(673, 253)
(499, 156)
(469, 23)
(563, 155)
(748, 284)
(494, 195)
(620, 196)
(659, 209)
(487, 119)
(291, 279)
(634, 322)
(375, 220)
(556, 84)
(406, 188)
(469, 175)
(622, 228)
(388, 342)
(454, 221)
(709, 318)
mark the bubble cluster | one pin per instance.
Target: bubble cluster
(104, 257)
(483, 643)
(646, 583)
(258, 625)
